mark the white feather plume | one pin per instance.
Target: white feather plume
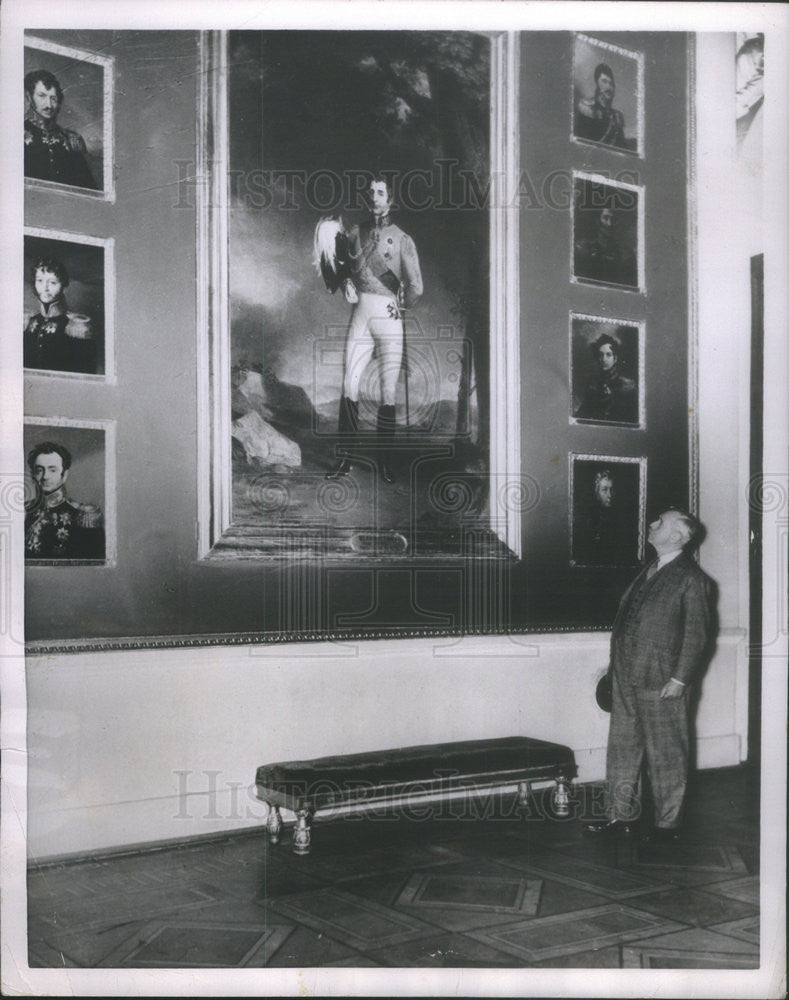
(324, 248)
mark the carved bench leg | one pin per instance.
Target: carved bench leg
(273, 824)
(561, 797)
(301, 832)
(524, 793)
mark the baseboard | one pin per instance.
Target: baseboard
(258, 830)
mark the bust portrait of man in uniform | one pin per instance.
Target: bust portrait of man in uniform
(596, 119)
(54, 340)
(52, 153)
(610, 395)
(603, 253)
(57, 527)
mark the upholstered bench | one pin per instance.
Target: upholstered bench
(409, 774)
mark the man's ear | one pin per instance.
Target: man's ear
(65, 476)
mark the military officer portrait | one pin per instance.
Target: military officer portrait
(68, 320)
(607, 88)
(605, 371)
(52, 152)
(606, 232)
(58, 527)
(377, 267)
(54, 338)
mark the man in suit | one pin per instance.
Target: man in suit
(659, 639)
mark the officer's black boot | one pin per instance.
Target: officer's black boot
(348, 428)
(385, 426)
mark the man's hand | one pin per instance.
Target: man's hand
(350, 292)
(672, 689)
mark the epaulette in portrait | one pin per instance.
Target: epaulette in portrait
(75, 141)
(88, 515)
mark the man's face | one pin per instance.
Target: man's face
(48, 286)
(665, 532)
(605, 492)
(607, 220)
(45, 103)
(379, 196)
(606, 357)
(48, 471)
(605, 89)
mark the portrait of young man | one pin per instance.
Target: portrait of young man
(64, 304)
(605, 371)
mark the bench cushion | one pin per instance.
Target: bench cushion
(328, 781)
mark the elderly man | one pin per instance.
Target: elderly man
(381, 275)
(52, 153)
(57, 527)
(659, 640)
(597, 119)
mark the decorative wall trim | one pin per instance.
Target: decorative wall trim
(693, 282)
(213, 331)
(505, 389)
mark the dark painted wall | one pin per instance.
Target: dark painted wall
(158, 587)
(552, 591)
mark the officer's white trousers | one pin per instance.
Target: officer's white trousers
(376, 329)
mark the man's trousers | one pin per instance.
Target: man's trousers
(644, 724)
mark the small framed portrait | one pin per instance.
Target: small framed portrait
(69, 491)
(608, 232)
(607, 95)
(607, 507)
(606, 371)
(68, 132)
(68, 304)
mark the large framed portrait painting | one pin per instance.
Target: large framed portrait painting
(356, 411)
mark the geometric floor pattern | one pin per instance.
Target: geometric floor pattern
(504, 891)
